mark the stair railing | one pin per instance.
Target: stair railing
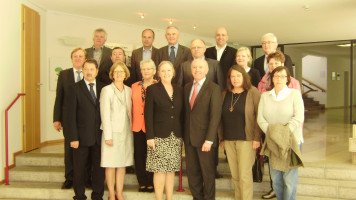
(7, 137)
(311, 84)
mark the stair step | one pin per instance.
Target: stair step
(40, 159)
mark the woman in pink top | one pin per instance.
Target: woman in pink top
(144, 178)
(275, 60)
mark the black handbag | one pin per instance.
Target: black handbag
(257, 169)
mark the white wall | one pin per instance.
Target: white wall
(10, 77)
(315, 70)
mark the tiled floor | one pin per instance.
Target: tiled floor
(326, 136)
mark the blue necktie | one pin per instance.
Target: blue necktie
(78, 77)
(92, 93)
(172, 55)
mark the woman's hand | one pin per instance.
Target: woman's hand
(151, 143)
(255, 145)
(109, 142)
(222, 144)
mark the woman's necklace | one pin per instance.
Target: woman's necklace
(232, 104)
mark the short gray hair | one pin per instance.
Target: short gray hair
(269, 34)
(100, 30)
(150, 61)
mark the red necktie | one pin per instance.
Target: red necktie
(194, 95)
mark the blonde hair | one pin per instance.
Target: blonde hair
(123, 66)
(248, 52)
(78, 49)
(168, 63)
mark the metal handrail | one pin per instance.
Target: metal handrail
(313, 84)
(7, 137)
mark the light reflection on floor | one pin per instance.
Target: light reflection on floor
(326, 136)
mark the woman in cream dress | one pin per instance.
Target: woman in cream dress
(117, 142)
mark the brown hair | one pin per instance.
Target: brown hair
(123, 66)
(92, 61)
(246, 84)
(118, 48)
(279, 69)
(78, 49)
(278, 55)
(148, 29)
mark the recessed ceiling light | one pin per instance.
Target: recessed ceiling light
(345, 45)
(306, 7)
(194, 27)
(142, 16)
(170, 22)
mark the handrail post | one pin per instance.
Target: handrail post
(180, 187)
(7, 137)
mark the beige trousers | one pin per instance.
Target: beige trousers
(241, 157)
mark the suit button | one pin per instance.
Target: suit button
(171, 117)
(172, 107)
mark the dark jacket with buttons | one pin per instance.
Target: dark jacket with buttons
(163, 116)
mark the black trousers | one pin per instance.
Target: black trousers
(81, 158)
(200, 172)
(144, 177)
(68, 160)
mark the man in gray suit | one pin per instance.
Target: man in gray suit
(198, 48)
(147, 51)
(173, 52)
(98, 51)
(202, 102)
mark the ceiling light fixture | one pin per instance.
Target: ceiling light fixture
(306, 7)
(170, 22)
(345, 45)
(194, 27)
(142, 16)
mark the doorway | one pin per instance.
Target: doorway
(30, 61)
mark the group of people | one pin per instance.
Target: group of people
(114, 116)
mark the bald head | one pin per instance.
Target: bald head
(199, 69)
(221, 37)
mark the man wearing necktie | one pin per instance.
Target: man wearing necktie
(203, 101)
(84, 131)
(173, 52)
(65, 79)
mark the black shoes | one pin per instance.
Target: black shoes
(146, 189)
(217, 175)
(67, 184)
(271, 194)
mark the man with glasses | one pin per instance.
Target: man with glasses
(198, 48)
(269, 45)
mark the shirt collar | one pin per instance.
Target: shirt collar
(75, 70)
(217, 48)
(281, 95)
(201, 82)
(87, 83)
(175, 46)
(143, 48)
(101, 48)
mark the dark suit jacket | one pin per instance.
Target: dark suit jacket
(201, 122)
(84, 115)
(183, 54)
(136, 59)
(215, 74)
(226, 61)
(162, 116)
(105, 57)
(104, 75)
(259, 64)
(65, 79)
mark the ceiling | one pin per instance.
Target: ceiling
(293, 21)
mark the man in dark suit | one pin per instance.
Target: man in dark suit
(173, 52)
(221, 52)
(66, 78)
(198, 49)
(202, 102)
(98, 51)
(147, 51)
(117, 55)
(84, 131)
(269, 45)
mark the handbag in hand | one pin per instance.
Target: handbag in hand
(257, 169)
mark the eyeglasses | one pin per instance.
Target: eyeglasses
(278, 77)
(119, 72)
(269, 42)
